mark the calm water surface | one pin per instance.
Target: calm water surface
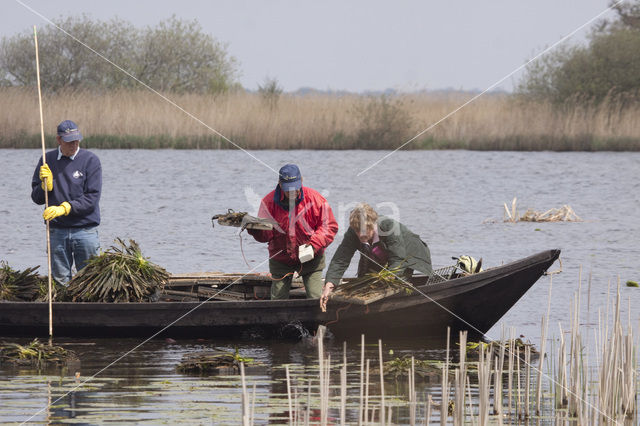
(454, 199)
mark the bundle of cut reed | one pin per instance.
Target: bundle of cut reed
(24, 285)
(231, 218)
(121, 274)
(372, 286)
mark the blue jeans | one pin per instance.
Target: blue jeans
(69, 245)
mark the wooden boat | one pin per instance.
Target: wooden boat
(238, 306)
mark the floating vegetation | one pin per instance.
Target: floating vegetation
(212, 362)
(372, 286)
(474, 348)
(428, 370)
(632, 283)
(24, 285)
(562, 214)
(121, 274)
(35, 354)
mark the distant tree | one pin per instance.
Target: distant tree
(64, 62)
(270, 92)
(178, 56)
(628, 13)
(608, 66)
(173, 56)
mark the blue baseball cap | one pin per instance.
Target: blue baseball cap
(68, 131)
(290, 178)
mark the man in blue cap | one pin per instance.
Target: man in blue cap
(305, 227)
(72, 178)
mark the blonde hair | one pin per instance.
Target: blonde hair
(363, 217)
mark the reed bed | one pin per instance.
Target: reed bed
(504, 385)
(141, 119)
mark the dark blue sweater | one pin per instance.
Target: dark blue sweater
(78, 182)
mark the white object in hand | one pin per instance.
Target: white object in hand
(305, 253)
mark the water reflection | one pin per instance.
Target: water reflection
(145, 385)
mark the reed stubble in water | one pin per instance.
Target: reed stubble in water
(479, 391)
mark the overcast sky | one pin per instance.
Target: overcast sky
(354, 45)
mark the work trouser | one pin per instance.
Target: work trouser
(69, 246)
(282, 274)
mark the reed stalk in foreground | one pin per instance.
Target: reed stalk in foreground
(289, 394)
(412, 392)
(366, 396)
(540, 368)
(561, 381)
(497, 387)
(444, 404)
(247, 420)
(343, 385)
(360, 417)
(140, 119)
(461, 379)
(382, 407)
(484, 383)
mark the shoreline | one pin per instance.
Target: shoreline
(584, 144)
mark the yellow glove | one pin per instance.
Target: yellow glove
(45, 172)
(55, 211)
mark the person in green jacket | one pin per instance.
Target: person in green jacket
(382, 243)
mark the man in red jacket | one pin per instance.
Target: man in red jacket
(305, 227)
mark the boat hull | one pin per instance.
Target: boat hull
(474, 303)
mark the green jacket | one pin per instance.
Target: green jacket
(405, 249)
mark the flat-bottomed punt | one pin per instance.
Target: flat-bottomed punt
(238, 307)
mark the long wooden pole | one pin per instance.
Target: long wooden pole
(46, 193)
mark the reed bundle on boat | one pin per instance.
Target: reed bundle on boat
(121, 274)
(372, 286)
(24, 285)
